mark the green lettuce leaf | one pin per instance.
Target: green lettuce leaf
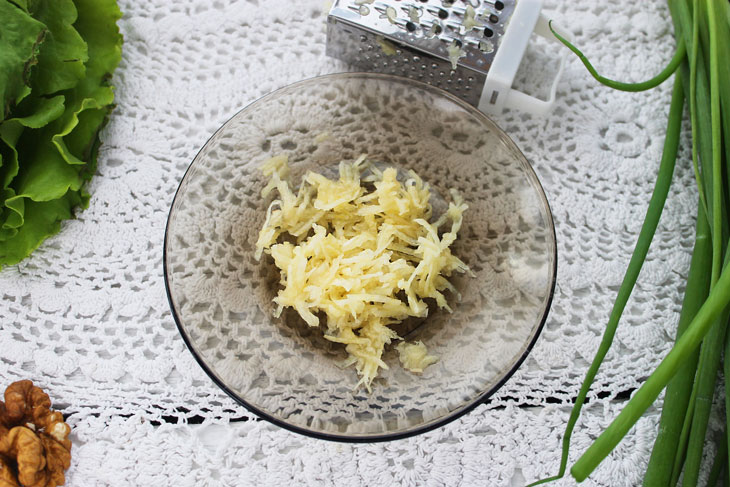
(97, 24)
(49, 145)
(21, 4)
(90, 102)
(20, 38)
(42, 219)
(63, 53)
(44, 173)
(37, 111)
(78, 127)
(11, 215)
(40, 112)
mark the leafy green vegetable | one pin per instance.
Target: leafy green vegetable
(43, 111)
(63, 52)
(19, 40)
(56, 59)
(42, 219)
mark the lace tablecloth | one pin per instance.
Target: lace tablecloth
(87, 319)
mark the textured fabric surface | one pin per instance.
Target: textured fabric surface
(86, 316)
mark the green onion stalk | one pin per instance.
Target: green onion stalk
(689, 372)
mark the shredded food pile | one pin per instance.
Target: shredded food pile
(360, 252)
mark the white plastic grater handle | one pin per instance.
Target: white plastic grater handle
(498, 93)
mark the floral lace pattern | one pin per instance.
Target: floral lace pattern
(87, 319)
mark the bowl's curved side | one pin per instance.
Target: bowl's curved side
(221, 297)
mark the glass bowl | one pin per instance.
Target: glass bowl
(287, 372)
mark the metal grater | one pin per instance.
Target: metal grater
(413, 38)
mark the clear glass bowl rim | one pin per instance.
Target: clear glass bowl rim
(456, 413)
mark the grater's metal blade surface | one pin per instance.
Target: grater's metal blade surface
(421, 39)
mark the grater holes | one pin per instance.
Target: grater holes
(493, 18)
(498, 5)
(488, 32)
(429, 29)
(454, 27)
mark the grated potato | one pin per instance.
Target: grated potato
(455, 53)
(386, 46)
(470, 20)
(361, 253)
(414, 356)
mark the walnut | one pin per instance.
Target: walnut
(8, 478)
(34, 447)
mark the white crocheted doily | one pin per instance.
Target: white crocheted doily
(86, 316)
